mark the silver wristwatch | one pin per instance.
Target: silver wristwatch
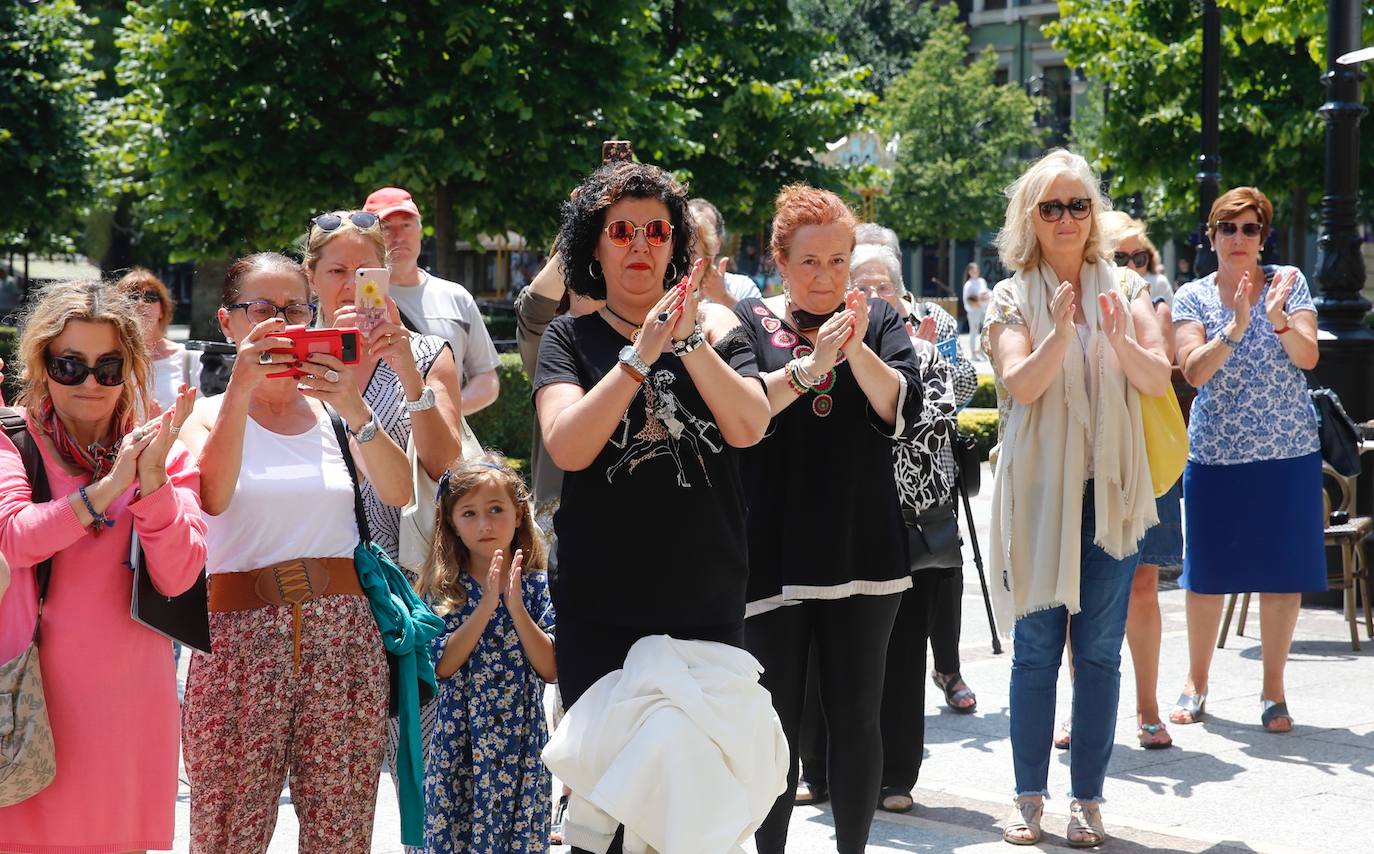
(634, 361)
(688, 344)
(425, 401)
(367, 432)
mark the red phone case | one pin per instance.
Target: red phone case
(342, 344)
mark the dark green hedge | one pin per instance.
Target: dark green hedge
(986, 395)
(508, 424)
(981, 424)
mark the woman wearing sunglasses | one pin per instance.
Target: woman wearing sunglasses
(297, 682)
(827, 544)
(409, 380)
(109, 682)
(1245, 335)
(643, 404)
(173, 365)
(1074, 343)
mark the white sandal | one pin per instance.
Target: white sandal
(1025, 815)
(1085, 818)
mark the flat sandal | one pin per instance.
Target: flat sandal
(1085, 818)
(1192, 705)
(1025, 815)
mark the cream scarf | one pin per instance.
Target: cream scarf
(1037, 494)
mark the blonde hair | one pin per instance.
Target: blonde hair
(317, 238)
(1118, 227)
(92, 301)
(1015, 242)
(449, 558)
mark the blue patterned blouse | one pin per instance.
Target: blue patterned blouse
(1255, 407)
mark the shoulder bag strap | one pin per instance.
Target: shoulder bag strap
(39, 490)
(364, 533)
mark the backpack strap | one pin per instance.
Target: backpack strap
(18, 431)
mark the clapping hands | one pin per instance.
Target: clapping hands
(502, 584)
(1113, 318)
(1277, 297)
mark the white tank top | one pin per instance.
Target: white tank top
(293, 499)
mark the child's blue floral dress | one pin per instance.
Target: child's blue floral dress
(486, 787)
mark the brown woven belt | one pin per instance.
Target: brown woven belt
(291, 582)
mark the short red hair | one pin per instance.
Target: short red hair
(800, 205)
(1236, 201)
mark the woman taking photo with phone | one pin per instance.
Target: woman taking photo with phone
(643, 404)
(827, 544)
(108, 681)
(297, 683)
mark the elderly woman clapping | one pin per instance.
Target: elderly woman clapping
(1074, 344)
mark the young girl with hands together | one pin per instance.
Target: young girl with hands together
(486, 788)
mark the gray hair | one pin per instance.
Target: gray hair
(865, 252)
(871, 232)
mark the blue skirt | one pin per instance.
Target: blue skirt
(1255, 527)
(1163, 544)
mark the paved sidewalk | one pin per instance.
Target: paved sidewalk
(1225, 786)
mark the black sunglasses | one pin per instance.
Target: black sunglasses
(1053, 210)
(329, 221)
(1140, 258)
(65, 370)
(1249, 229)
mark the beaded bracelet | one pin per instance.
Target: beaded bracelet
(796, 378)
(101, 521)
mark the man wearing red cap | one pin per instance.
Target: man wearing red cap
(433, 305)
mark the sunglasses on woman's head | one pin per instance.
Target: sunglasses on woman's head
(1139, 258)
(1249, 229)
(1053, 210)
(329, 222)
(65, 370)
(656, 232)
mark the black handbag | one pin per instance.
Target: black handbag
(1339, 439)
(966, 460)
(933, 538)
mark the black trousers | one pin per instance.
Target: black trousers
(947, 622)
(904, 691)
(850, 637)
(585, 651)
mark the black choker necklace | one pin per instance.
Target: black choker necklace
(638, 327)
(805, 320)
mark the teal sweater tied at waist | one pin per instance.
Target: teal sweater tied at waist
(408, 628)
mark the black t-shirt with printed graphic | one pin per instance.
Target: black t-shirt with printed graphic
(651, 534)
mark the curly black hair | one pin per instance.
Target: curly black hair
(584, 215)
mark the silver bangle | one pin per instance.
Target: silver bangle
(688, 344)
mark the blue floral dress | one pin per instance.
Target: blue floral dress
(486, 787)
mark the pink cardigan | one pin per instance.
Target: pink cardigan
(110, 682)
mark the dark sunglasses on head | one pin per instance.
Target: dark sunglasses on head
(1139, 258)
(65, 370)
(329, 221)
(1249, 229)
(656, 232)
(149, 296)
(295, 314)
(1053, 210)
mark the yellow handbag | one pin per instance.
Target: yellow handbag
(1166, 434)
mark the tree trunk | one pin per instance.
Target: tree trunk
(206, 290)
(119, 252)
(942, 288)
(445, 241)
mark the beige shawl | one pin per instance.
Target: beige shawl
(1037, 493)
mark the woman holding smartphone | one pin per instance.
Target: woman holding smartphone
(297, 682)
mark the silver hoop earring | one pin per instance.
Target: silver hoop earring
(671, 277)
(590, 272)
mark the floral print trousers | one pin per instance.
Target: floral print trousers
(250, 722)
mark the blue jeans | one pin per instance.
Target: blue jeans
(1038, 645)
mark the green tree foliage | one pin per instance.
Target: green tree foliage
(240, 119)
(1148, 55)
(883, 35)
(45, 101)
(959, 135)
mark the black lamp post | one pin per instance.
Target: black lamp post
(1209, 160)
(1345, 341)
